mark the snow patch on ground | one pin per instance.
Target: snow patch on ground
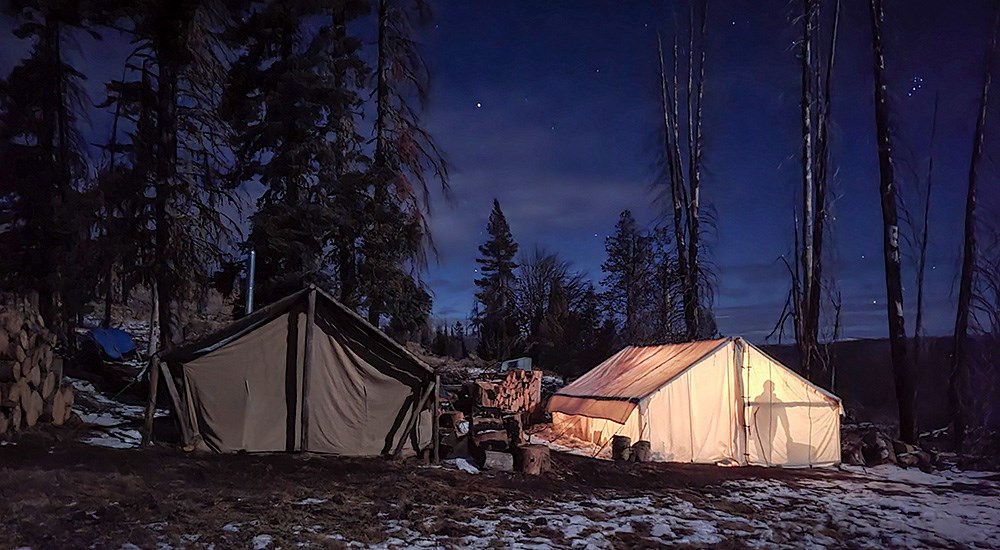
(461, 464)
(113, 423)
(260, 542)
(871, 508)
(310, 501)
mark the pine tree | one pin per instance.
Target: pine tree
(629, 278)
(287, 94)
(497, 319)
(667, 296)
(188, 186)
(43, 213)
(394, 245)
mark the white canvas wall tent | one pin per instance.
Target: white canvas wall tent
(716, 401)
(303, 374)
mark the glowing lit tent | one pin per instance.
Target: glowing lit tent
(710, 402)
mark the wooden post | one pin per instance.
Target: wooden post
(436, 428)
(412, 424)
(180, 408)
(154, 380)
(307, 365)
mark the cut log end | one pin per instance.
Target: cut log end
(534, 460)
(32, 406)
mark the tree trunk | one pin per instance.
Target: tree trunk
(693, 298)
(902, 373)
(969, 259)
(804, 333)
(918, 328)
(168, 44)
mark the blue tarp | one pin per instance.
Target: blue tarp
(113, 342)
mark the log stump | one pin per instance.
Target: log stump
(534, 460)
(621, 447)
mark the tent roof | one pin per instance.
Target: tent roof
(613, 388)
(237, 329)
(635, 372)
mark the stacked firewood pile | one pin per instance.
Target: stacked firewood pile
(502, 406)
(867, 445)
(31, 381)
(516, 391)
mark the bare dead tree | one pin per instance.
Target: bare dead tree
(902, 371)
(922, 238)
(682, 155)
(969, 259)
(803, 306)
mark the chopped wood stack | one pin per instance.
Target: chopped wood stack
(31, 384)
(499, 410)
(515, 391)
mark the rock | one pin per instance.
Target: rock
(925, 461)
(899, 447)
(503, 462)
(907, 459)
(850, 450)
(877, 449)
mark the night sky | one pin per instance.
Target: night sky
(566, 133)
(551, 107)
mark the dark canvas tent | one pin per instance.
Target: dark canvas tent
(303, 374)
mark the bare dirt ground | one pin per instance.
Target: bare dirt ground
(56, 492)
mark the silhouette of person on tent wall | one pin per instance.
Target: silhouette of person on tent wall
(768, 412)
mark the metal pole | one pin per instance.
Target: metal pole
(250, 281)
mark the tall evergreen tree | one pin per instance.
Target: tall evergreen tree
(188, 188)
(498, 331)
(629, 278)
(291, 98)
(667, 315)
(404, 162)
(43, 163)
